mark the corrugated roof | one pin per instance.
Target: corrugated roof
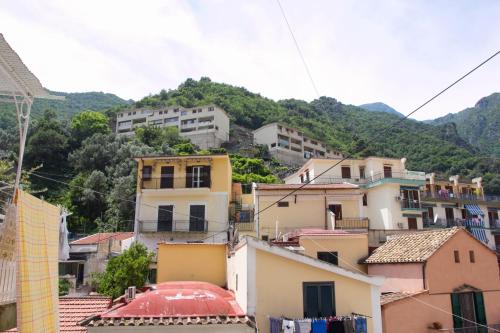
(307, 187)
(102, 237)
(411, 247)
(72, 310)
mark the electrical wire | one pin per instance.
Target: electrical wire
(383, 132)
(410, 296)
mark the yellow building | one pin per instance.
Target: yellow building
(272, 281)
(192, 262)
(182, 198)
(325, 206)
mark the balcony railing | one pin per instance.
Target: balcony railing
(450, 196)
(174, 183)
(192, 225)
(244, 226)
(410, 204)
(406, 175)
(352, 223)
(444, 223)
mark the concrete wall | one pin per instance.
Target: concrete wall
(351, 248)
(192, 262)
(238, 276)
(399, 277)
(174, 328)
(279, 289)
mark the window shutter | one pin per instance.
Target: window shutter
(479, 309)
(455, 307)
(189, 177)
(206, 176)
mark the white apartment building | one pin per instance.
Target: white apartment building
(290, 145)
(206, 126)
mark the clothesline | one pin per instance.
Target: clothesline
(354, 323)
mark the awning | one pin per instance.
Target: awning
(474, 210)
(476, 228)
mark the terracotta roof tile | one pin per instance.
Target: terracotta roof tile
(102, 237)
(411, 247)
(396, 296)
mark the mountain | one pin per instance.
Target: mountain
(478, 125)
(351, 129)
(380, 107)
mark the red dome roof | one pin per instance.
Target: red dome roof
(180, 299)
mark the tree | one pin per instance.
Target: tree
(128, 269)
(87, 123)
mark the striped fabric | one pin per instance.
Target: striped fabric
(476, 227)
(474, 210)
(37, 271)
(8, 257)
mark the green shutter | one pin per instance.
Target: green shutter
(480, 312)
(455, 307)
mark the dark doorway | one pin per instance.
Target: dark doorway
(167, 177)
(165, 217)
(337, 210)
(197, 218)
(412, 223)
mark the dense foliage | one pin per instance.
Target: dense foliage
(479, 125)
(380, 107)
(128, 269)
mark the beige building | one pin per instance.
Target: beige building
(272, 281)
(290, 145)
(182, 198)
(389, 193)
(206, 126)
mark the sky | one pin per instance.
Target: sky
(397, 52)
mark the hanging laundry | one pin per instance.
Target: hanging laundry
(288, 326)
(360, 325)
(337, 326)
(349, 325)
(275, 325)
(318, 326)
(303, 326)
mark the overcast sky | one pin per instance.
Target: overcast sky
(397, 52)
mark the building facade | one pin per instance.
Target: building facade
(206, 126)
(389, 193)
(182, 198)
(290, 145)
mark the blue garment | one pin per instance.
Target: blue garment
(275, 325)
(318, 326)
(360, 325)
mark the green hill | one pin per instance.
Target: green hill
(478, 125)
(348, 128)
(380, 107)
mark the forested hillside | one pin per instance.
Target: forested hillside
(479, 125)
(380, 107)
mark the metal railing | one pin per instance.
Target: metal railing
(352, 223)
(244, 226)
(173, 226)
(407, 175)
(410, 204)
(445, 196)
(174, 183)
(444, 223)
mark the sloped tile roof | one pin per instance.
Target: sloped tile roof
(411, 247)
(72, 310)
(396, 296)
(102, 237)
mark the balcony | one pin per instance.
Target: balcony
(192, 225)
(444, 223)
(244, 226)
(350, 223)
(406, 177)
(459, 197)
(172, 183)
(410, 204)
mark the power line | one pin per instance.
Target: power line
(410, 296)
(298, 49)
(383, 132)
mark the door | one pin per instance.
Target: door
(167, 177)
(412, 223)
(346, 172)
(165, 217)
(337, 210)
(450, 217)
(467, 312)
(387, 171)
(197, 218)
(80, 271)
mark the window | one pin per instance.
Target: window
(134, 112)
(346, 172)
(362, 172)
(210, 108)
(410, 198)
(161, 112)
(283, 204)
(468, 307)
(172, 120)
(165, 218)
(130, 113)
(152, 275)
(273, 144)
(183, 113)
(302, 178)
(265, 238)
(146, 172)
(387, 171)
(167, 177)
(412, 223)
(319, 299)
(197, 218)
(198, 176)
(246, 188)
(337, 210)
(365, 200)
(329, 257)
(308, 176)
(456, 254)
(472, 258)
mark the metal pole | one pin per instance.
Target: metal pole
(23, 121)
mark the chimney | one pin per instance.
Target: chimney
(130, 293)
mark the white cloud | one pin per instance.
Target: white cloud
(396, 52)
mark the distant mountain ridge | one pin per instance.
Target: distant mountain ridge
(380, 107)
(478, 125)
